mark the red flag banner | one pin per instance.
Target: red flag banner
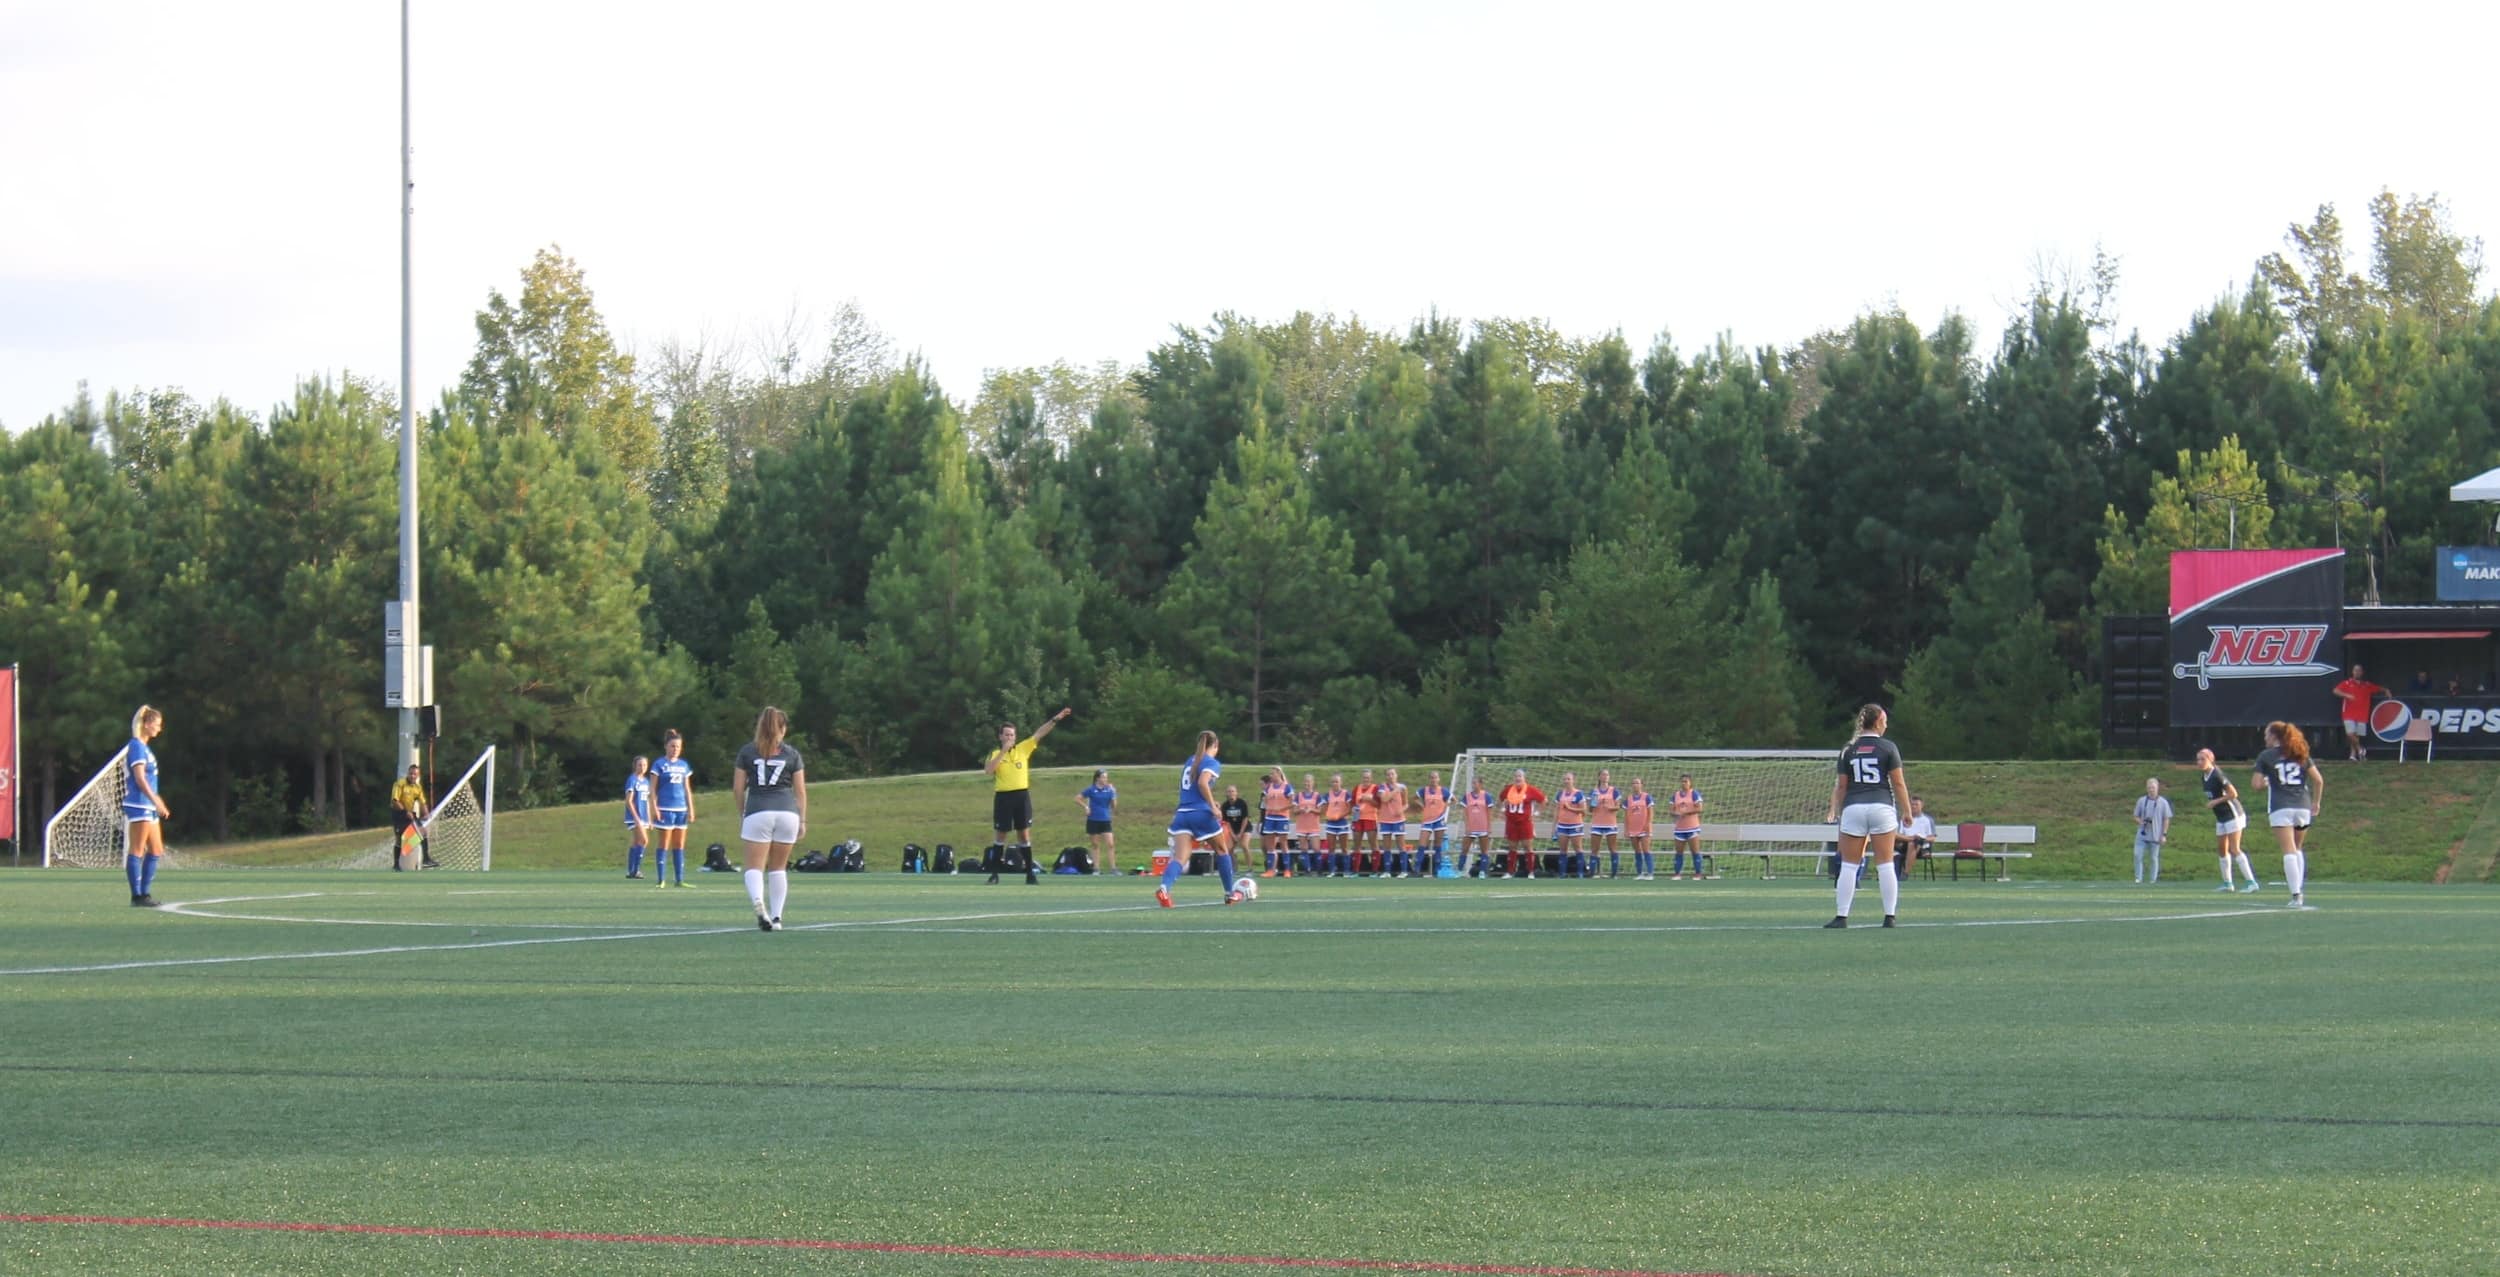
(8, 754)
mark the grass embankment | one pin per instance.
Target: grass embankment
(2383, 822)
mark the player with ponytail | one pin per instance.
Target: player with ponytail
(2293, 788)
(1868, 798)
(143, 808)
(1194, 821)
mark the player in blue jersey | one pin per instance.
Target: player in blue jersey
(1100, 800)
(672, 795)
(637, 814)
(143, 808)
(1194, 821)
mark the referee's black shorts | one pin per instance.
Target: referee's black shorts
(1012, 809)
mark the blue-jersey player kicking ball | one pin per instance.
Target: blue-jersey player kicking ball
(1194, 821)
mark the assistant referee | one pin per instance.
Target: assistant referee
(1011, 807)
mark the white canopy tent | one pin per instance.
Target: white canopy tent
(2482, 487)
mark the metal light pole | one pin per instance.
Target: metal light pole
(408, 637)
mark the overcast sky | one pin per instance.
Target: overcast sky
(204, 195)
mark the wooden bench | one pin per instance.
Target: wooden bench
(1814, 842)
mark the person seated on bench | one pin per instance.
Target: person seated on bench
(1918, 834)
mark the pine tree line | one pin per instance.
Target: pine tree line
(1325, 539)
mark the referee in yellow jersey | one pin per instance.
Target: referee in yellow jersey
(408, 808)
(1011, 806)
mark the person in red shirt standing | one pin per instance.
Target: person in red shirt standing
(2356, 693)
(1519, 803)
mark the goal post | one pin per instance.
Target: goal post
(1758, 787)
(460, 832)
(87, 832)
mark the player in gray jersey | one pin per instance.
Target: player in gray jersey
(2223, 799)
(770, 786)
(2293, 788)
(1868, 797)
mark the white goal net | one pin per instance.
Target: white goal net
(459, 833)
(1738, 786)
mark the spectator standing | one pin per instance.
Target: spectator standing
(2152, 828)
(1236, 811)
(2356, 693)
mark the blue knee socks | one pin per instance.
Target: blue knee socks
(1224, 873)
(633, 859)
(131, 868)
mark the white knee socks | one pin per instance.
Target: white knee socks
(2295, 869)
(1888, 884)
(2246, 870)
(776, 891)
(755, 889)
(1848, 888)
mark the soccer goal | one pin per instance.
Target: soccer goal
(88, 832)
(1739, 787)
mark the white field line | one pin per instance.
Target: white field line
(936, 924)
(192, 909)
(1569, 930)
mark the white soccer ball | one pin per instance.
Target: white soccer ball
(1248, 887)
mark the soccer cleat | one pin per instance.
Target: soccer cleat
(992, 882)
(2251, 888)
(632, 877)
(762, 923)
(1888, 920)
(2296, 900)
(1163, 898)
(138, 901)
(1836, 924)
(2226, 887)
(776, 925)
(1232, 897)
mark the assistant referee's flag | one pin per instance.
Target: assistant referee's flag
(8, 755)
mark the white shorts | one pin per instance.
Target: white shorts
(2289, 818)
(770, 826)
(2355, 727)
(1861, 820)
(2231, 826)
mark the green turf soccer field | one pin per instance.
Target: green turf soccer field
(527, 1072)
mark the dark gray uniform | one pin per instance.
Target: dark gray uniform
(769, 780)
(2217, 800)
(2287, 786)
(1866, 767)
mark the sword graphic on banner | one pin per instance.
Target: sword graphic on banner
(2205, 674)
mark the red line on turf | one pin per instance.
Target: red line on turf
(879, 1248)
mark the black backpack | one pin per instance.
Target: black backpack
(914, 859)
(716, 859)
(945, 859)
(1074, 860)
(850, 858)
(813, 862)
